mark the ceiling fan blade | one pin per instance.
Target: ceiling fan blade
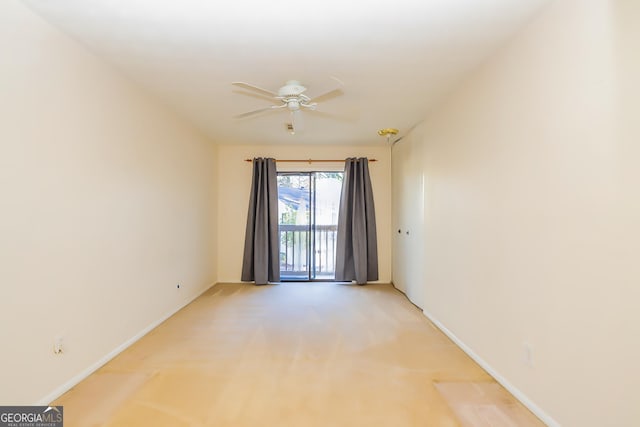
(327, 95)
(256, 88)
(258, 111)
(254, 95)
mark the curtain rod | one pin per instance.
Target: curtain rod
(310, 161)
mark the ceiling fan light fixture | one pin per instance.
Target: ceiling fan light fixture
(293, 104)
(388, 132)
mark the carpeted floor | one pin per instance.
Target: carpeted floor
(295, 354)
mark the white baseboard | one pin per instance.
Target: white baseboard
(73, 381)
(544, 417)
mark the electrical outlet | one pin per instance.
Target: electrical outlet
(57, 344)
(527, 354)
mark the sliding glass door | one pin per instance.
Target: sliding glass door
(294, 212)
(308, 205)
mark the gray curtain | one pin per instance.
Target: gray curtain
(357, 245)
(261, 252)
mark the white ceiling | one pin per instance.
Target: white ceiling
(396, 58)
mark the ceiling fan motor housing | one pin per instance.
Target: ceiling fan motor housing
(292, 95)
(292, 88)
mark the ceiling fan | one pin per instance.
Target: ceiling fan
(290, 96)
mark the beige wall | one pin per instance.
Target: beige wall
(234, 182)
(532, 212)
(107, 202)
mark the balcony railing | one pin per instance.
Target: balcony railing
(295, 259)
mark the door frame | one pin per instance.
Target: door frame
(312, 230)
